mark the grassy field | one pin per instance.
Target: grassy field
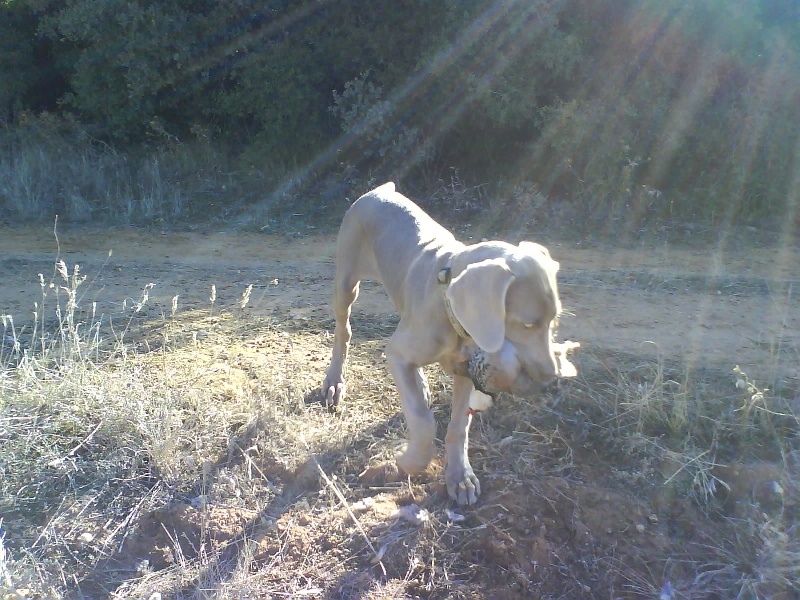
(177, 452)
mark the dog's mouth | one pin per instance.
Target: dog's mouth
(479, 370)
(491, 380)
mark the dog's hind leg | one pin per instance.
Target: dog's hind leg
(345, 294)
(350, 268)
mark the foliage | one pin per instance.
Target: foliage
(706, 112)
(632, 109)
(369, 119)
(30, 78)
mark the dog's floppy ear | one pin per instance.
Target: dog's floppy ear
(478, 299)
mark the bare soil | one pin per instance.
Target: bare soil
(709, 306)
(561, 531)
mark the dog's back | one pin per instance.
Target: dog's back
(383, 234)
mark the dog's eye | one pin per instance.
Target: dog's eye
(532, 325)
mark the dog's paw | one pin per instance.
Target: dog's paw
(328, 395)
(333, 394)
(416, 458)
(464, 488)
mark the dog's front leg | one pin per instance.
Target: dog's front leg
(462, 484)
(415, 400)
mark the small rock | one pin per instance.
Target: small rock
(86, 538)
(200, 501)
(454, 517)
(775, 487)
(640, 528)
(505, 441)
(363, 504)
(667, 593)
(413, 514)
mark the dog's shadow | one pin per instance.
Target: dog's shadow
(298, 484)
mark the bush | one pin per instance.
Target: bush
(636, 110)
(700, 123)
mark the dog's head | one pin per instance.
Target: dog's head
(509, 305)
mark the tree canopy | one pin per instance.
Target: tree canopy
(691, 107)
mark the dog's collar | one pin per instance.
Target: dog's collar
(445, 276)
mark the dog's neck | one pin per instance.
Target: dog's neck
(445, 276)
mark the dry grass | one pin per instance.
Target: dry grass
(179, 457)
(51, 165)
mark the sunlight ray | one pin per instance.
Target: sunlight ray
(786, 259)
(245, 48)
(438, 90)
(608, 100)
(456, 76)
(606, 105)
(788, 238)
(408, 97)
(755, 121)
(696, 89)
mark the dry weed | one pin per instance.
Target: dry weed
(181, 457)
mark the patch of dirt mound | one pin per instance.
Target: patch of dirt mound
(563, 538)
(181, 532)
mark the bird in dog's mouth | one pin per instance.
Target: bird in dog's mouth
(490, 378)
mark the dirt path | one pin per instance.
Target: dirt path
(715, 309)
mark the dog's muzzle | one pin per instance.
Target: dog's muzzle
(480, 371)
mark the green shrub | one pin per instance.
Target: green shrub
(636, 110)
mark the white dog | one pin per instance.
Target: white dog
(485, 313)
